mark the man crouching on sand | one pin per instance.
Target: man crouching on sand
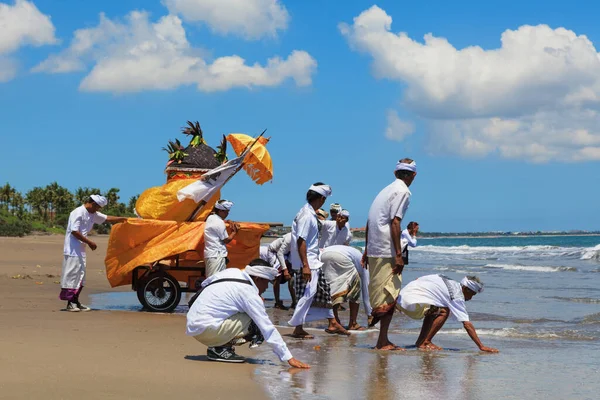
(434, 298)
(228, 311)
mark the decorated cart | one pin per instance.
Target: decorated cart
(160, 254)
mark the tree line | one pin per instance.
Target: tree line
(48, 208)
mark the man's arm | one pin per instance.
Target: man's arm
(364, 260)
(396, 232)
(253, 305)
(231, 235)
(115, 220)
(306, 274)
(473, 334)
(85, 240)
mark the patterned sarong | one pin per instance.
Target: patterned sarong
(322, 298)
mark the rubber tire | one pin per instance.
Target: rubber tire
(168, 306)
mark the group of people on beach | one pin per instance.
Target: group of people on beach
(321, 267)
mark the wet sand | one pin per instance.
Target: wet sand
(49, 354)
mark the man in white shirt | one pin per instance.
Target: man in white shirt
(383, 252)
(434, 298)
(228, 311)
(336, 232)
(81, 222)
(408, 238)
(345, 274)
(280, 250)
(216, 238)
(334, 209)
(311, 285)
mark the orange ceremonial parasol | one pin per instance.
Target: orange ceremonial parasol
(258, 162)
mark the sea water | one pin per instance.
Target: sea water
(540, 308)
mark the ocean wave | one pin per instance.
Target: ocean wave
(514, 333)
(591, 253)
(586, 300)
(532, 268)
(493, 252)
(590, 319)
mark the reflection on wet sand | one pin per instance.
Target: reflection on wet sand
(347, 368)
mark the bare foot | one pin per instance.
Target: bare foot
(390, 347)
(356, 327)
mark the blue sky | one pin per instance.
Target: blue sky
(505, 135)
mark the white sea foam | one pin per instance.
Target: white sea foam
(591, 253)
(532, 268)
(490, 252)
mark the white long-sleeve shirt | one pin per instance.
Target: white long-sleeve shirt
(222, 300)
(281, 247)
(407, 240)
(331, 235)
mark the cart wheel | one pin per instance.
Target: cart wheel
(159, 292)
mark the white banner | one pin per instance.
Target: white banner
(210, 182)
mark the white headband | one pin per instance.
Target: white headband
(100, 200)
(406, 167)
(345, 213)
(335, 206)
(225, 206)
(260, 271)
(473, 285)
(323, 190)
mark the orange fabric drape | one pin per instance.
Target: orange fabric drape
(160, 202)
(139, 242)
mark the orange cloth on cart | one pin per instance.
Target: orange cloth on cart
(141, 241)
(160, 202)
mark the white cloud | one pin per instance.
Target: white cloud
(8, 68)
(503, 101)
(251, 19)
(21, 24)
(396, 128)
(138, 55)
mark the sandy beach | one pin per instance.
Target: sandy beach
(49, 354)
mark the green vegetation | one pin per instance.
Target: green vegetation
(47, 209)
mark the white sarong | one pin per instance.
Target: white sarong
(73, 272)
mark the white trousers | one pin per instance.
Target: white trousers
(364, 287)
(214, 265)
(304, 312)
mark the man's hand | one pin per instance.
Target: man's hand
(399, 264)
(489, 349)
(365, 261)
(92, 245)
(286, 275)
(297, 364)
(306, 274)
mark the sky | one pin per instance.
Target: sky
(497, 102)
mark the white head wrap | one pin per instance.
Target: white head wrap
(100, 200)
(260, 271)
(345, 213)
(406, 167)
(225, 206)
(323, 190)
(335, 207)
(473, 285)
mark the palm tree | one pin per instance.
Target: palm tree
(17, 204)
(6, 193)
(195, 132)
(36, 198)
(112, 196)
(132, 201)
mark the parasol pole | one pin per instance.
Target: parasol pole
(202, 203)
